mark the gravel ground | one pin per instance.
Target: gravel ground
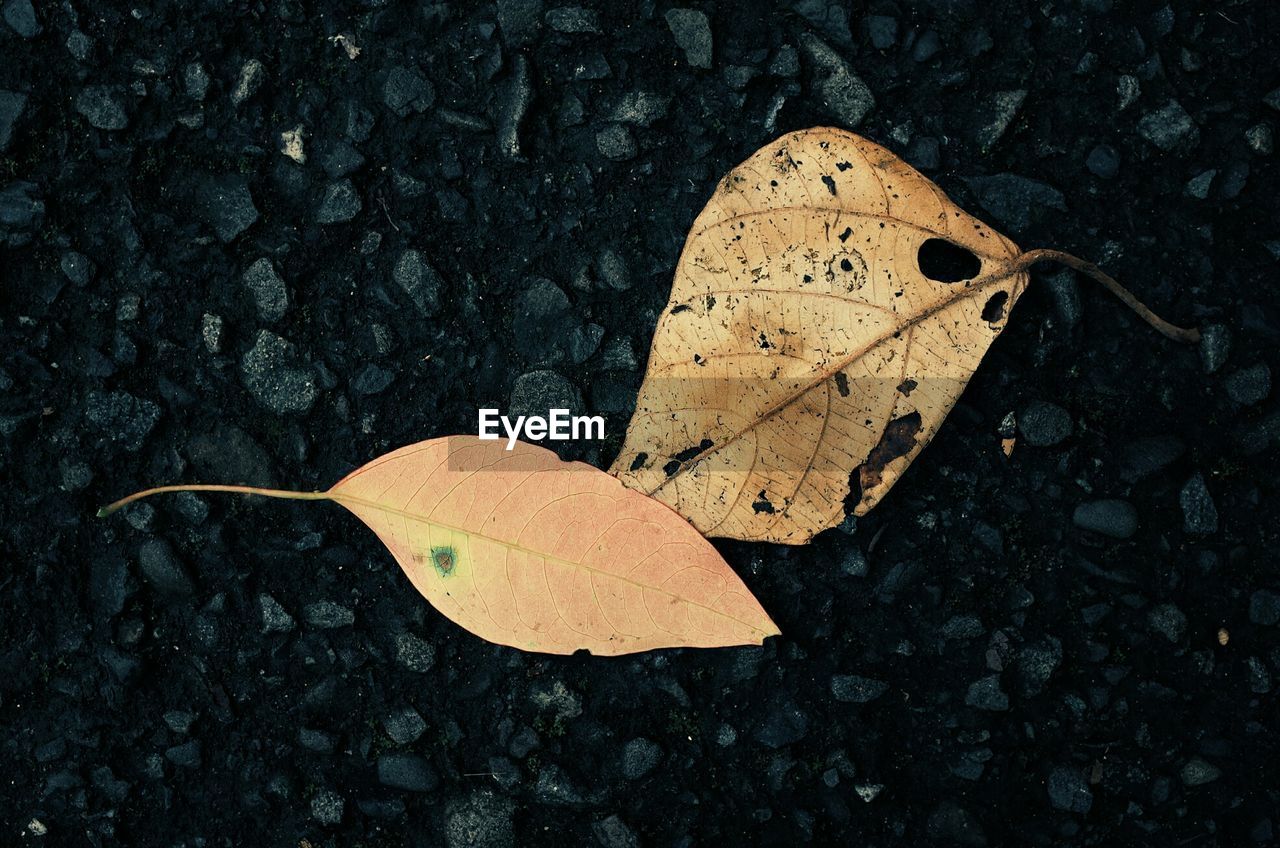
(1074, 645)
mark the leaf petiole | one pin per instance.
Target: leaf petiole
(239, 490)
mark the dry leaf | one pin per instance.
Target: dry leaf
(526, 550)
(806, 357)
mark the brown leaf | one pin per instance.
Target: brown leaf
(525, 550)
(828, 309)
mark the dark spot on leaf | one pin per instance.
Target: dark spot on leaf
(831, 185)
(993, 311)
(684, 307)
(698, 360)
(764, 342)
(444, 559)
(843, 166)
(671, 467)
(808, 278)
(711, 301)
(639, 461)
(763, 505)
(846, 265)
(907, 386)
(848, 231)
(689, 453)
(842, 384)
(897, 441)
(946, 262)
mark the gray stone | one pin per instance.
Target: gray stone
(786, 63)
(1036, 664)
(1199, 185)
(1215, 347)
(339, 203)
(75, 475)
(77, 267)
(317, 740)
(11, 106)
(1068, 790)
(640, 108)
(1249, 385)
(252, 73)
(419, 280)
(482, 820)
(327, 615)
(224, 202)
(573, 20)
(327, 807)
(1108, 516)
(985, 694)
(1001, 110)
(268, 290)
(962, 627)
(1044, 424)
(517, 96)
(853, 689)
(21, 213)
(1169, 621)
(211, 332)
(844, 95)
(1016, 202)
(1103, 161)
(195, 80)
(272, 375)
(639, 757)
(1199, 514)
(186, 755)
(404, 725)
(162, 569)
(1169, 127)
(121, 417)
(20, 15)
(882, 30)
(612, 832)
(274, 617)
(1260, 138)
(371, 380)
(519, 20)
(179, 721)
(538, 391)
(409, 772)
(79, 44)
(414, 653)
(612, 270)
(1198, 772)
(615, 143)
(100, 106)
(1264, 608)
(407, 90)
(693, 35)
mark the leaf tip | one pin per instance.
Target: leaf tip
(103, 513)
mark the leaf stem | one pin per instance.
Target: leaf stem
(1187, 335)
(239, 490)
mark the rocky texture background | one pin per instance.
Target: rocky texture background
(268, 241)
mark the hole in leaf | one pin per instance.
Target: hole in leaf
(993, 310)
(945, 262)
